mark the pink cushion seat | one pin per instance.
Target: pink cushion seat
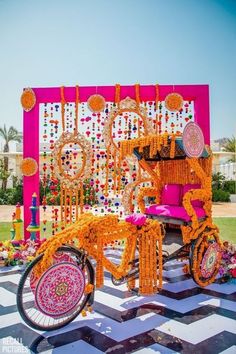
(196, 202)
(171, 194)
(136, 219)
(173, 211)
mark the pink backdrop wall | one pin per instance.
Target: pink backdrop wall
(197, 93)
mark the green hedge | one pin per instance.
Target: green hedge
(230, 186)
(219, 195)
(12, 196)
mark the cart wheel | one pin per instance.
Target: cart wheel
(204, 259)
(58, 296)
(117, 282)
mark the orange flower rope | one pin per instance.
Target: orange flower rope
(62, 204)
(107, 171)
(172, 147)
(71, 196)
(93, 232)
(117, 94)
(76, 204)
(200, 246)
(137, 93)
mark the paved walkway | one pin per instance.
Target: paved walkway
(224, 209)
(219, 209)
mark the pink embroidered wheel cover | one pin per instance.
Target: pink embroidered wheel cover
(193, 140)
(210, 260)
(59, 289)
(62, 257)
(57, 258)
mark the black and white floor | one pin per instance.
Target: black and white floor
(182, 318)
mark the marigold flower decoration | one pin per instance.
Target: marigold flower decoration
(28, 99)
(94, 232)
(29, 166)
(96, 103)
(174, 102)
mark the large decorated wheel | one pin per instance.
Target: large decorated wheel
(57, 258)
(205, 256)
(60, 294)
(60, 289)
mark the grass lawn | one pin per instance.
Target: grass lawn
(5, 228)
(227, 228)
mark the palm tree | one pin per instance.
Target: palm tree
(11, 134)
(230, 146)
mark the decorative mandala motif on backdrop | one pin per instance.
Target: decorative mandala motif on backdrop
(60, 289)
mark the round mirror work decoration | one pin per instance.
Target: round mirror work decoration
(28, 99)
(29, 166)
(174, 102)
(193, 140)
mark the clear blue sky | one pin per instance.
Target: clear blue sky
(101, 42)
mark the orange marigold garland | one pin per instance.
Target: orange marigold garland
(147, 192)
(127, 197)
(155, 143)
(93, 232)
(29, 166)
(200, 247)
(137, 94)
(117, 94)
(148, 238)
(28, 99)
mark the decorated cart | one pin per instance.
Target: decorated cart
(169, 183)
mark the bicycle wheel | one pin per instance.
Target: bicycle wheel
(204, 259)
(40, 302)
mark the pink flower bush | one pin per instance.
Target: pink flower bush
(227, 269)
(18, 252)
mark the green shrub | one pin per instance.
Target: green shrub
(230, 186)
(12, 196)
(219, 195)
(218, 180)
